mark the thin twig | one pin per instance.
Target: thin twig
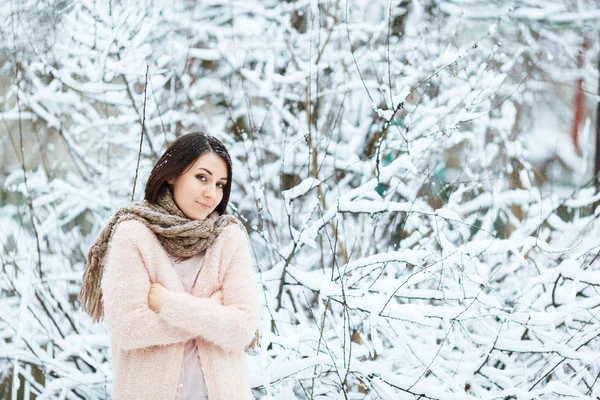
(137, 167)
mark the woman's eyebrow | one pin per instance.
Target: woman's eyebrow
(210, 173)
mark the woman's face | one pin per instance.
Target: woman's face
(199, 189)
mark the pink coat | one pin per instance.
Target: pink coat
(147, 347)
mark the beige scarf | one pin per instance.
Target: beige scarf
(179, 235)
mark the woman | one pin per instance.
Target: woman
(173, 277)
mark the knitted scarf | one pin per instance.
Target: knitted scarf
(179, 235)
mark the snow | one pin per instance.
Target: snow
(300, 189)
(369, 206)
(436, 237)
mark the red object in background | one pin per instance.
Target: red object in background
(579, 99)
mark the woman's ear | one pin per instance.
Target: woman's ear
(170, 181)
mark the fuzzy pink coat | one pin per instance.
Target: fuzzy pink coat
(147, 347)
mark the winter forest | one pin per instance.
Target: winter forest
(417, 178)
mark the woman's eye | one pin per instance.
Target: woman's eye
(203, 178)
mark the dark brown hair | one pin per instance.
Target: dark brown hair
(182, 153)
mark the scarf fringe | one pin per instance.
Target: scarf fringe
(90, 295)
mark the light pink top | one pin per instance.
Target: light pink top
(191, 384)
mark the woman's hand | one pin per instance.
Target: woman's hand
(157, 296)
(217, 296)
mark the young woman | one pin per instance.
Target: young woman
(173, 278)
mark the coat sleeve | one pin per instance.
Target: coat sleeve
(125, 286)
(233, 324)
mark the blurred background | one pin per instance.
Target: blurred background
(417, 179)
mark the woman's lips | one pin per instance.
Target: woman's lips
(203, 205)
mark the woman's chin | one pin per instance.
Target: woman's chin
(200, 217)
(197, 215)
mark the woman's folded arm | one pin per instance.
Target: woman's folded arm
(125, 286)
(231, 326)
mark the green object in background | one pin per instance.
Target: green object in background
(387, 160)
(381, 189)
(398, 122)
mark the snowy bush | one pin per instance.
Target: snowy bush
(410, 240)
